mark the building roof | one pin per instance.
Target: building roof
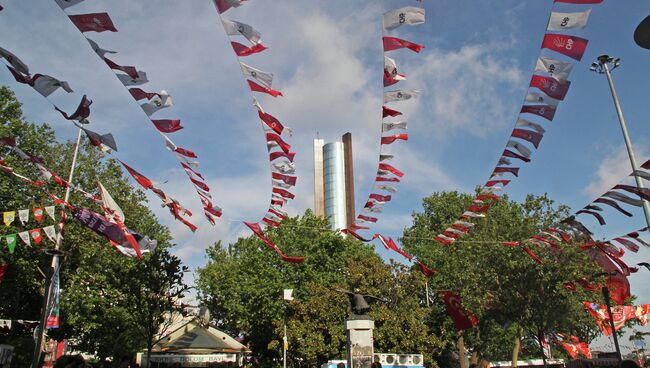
(195, 337)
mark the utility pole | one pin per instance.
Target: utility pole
(38, 351)
(602, 66)
(605, 291)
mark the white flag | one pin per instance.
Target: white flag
(285, 168)
(50, 232)
(128, 81)
(391, 67)
(559, 70)
(408, 15)
(183, 159)
(472, 214)
(23, 216)
(387, 188)
(400, 95)
(14, 61)
(528, 124)
(523, 150)
(112, 210)
(158, 102)
(504, 161)
(541, 97)
(67, 3)
(45, 85)
(562, 21)
(50, 211)
(385, 127)
(385, 156)
(374, 209)
(169, 144)
(280, 184)
(234, 28)
(265, 79)
(98, 50)
(24, 236)
(447, 238)
(464, 223)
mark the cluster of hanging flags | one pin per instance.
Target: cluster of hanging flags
(546, 89)
(128, 242)
(130, 77)
(620, 314)
(571, 344)
(104, 142)
(28, 235)
(280, 156)
(8, 217)
(387, 174)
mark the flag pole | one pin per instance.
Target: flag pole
(602, 66)
(55, 263)
(605, 291)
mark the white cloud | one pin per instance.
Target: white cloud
(614, 168)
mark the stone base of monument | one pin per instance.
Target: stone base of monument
(360, 342)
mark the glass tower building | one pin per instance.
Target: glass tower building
(333, 181)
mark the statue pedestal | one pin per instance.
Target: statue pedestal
(360, 343)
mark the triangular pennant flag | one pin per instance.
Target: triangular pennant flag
(24, 236)
(36, 235)
(38, 213)
(11, 242)
(8, 217)
(50, 212)
(23, 216)
(49, 232)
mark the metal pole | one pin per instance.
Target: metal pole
(426, 285)
(55, 263)
(284, 341)
(628, 143)
(605, 291)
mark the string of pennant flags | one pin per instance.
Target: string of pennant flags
(35, 235)
(281, 159)
(8, 217)
(387, 174)
(104, 142)
(155, 101)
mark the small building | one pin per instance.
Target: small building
(195, 344)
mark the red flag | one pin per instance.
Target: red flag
(82, 112)
(641, 192)
(551, 86)
(545, 111)
(389, 112)
(379, 197)
(141, 179)
(255, 227)
(510, 243)
(478, 209)
(579, 1)
(291, 180)
(392, 138)
(367, 218)
(461, 228)
(277, 213)
(20, 78)
(387, 167)
(277, 202)
(3, 268)
(223, 5)
(187, 167)
(390, 244)
(258, 88)
(491, 183)
(508, 153)
(443, 240)
(200, 184)
(270, 222)
(532, 254)
(596, 215)
(381, 178)
(185, 152)
(394, 43)
(463, 320)
(482, 197)
(130, 70)
(167, 126)
(36, 235)
(38, 213)
(283, 193)
(428, 272)
(8, 141)
(353, 233)
(530, 136)
(288, 155)
(139, 94)
(272, 137)
(571, 46)
(513, 170)
(613, 204)
(242, 50)
(565, 237)
(95, 22)
(630, 245)
(271, 121)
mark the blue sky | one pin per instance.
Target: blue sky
(327, 61)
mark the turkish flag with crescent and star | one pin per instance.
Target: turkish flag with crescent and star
(463, 319)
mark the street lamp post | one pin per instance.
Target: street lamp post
(602, 66)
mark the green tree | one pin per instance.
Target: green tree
(104, 294)
(243, 288)
(512, 295)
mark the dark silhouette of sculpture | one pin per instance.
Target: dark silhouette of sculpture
(358, 304)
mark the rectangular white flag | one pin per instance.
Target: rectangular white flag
(265, 79)
(128, 81)
(234, 28)
(410, 15)
(559, 70)
(45, 85)
(562, 21)
(391, 67)
(541, 97)
(400, 95)
(394, 125)
(158, 102)
(528, 124)
(67, 3)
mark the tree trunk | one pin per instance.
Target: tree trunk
(474, 357)
(515, 349)
(540, 339)
(461, 351)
